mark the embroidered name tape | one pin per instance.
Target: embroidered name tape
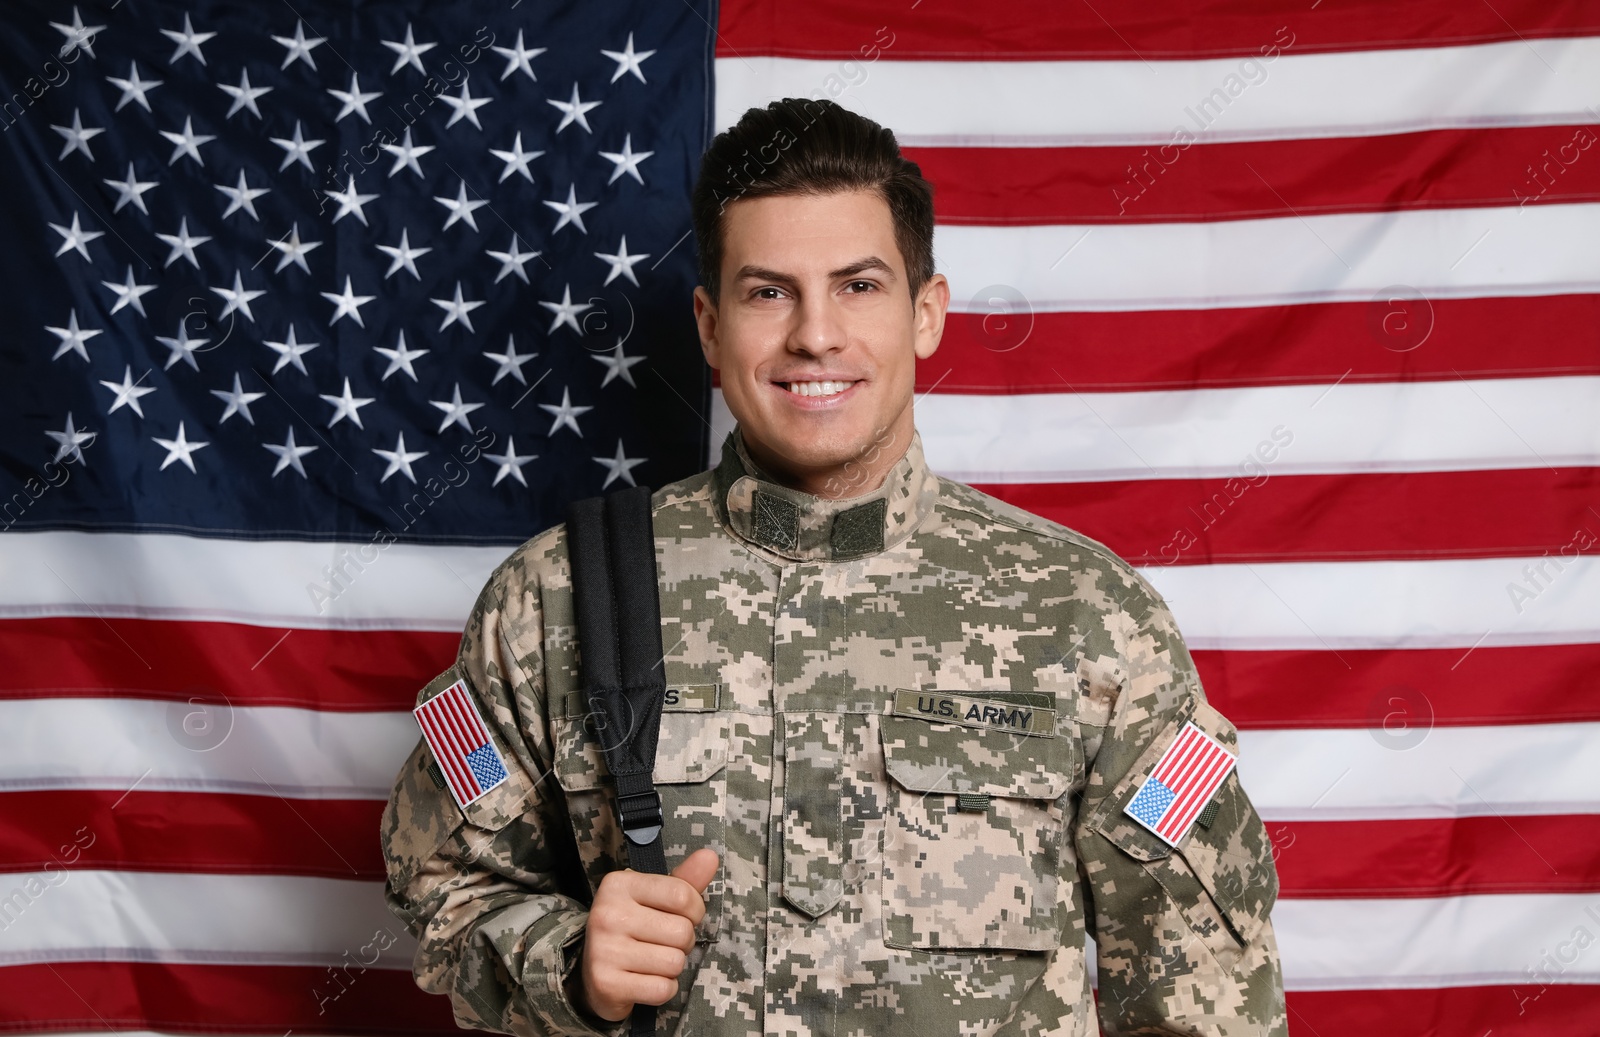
(944, 708)
(461, 744)
(1181, 783)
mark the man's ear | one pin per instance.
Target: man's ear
(705, 319)
(928, 314)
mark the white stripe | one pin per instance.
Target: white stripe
(124, 744)
(1452, 425)
(1486, 940)
(188, 918)
(264, 582)
(286, 920)
(1442, 253)
(1360, 774)
(1056, 103)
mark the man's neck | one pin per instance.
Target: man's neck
(852, 478)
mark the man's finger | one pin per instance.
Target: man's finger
(670, 894)
(698, 869)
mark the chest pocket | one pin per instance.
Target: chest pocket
(691, 774)
(976, 822)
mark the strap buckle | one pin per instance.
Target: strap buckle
(641, 817)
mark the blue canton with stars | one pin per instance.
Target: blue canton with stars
(486, 767)
(282, 271)
(1150, 802)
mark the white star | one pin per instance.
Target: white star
(566, 310)
(75, 237)
(455, 412)
(294, 250)
(188, 42)
(456, 310)
(517, 58)
(627, 60)
(565, 413)
(130, 190)
(465, 107)
(571, 210)
(575, 110)
(182, 244)
(77, 137)
(244, 95)
(512, 261)
(72, 337)
(348, 303)
(410, 52)
(516, 159)
(627, 160)
(237, 298)
(399, 459)
(460, 208)
(77, 34)
(128, 292)
(299, 46)
(297, 149)
(404, 256)
(127, 392)
(622, 262)
(188, 142)
(406, 154)
(70, 441)
(133, 88)
(290, 351)
(616, 364)
(619, 466)
(510, 362)
(289, 454)
(238, 401)
(354, 100)
(349, 201)
(346, 406)
(180, 449)
(510, 462)
(400, 358)
(243, 196)
(183, 347)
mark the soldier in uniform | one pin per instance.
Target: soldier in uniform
(904, 720)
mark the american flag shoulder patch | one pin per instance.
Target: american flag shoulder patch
(461, 744)
(1180, 784)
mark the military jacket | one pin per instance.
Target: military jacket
(908, 721)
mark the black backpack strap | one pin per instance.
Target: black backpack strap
(611, 543)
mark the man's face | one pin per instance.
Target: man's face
(814, 292)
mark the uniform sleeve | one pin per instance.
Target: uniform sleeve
(1183, 935)
(494, 894)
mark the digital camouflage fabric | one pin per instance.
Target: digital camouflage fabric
(908, 722)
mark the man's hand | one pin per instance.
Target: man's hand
(641, 929)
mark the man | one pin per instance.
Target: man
(904, 720)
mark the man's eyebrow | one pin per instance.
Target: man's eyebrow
(750, 272)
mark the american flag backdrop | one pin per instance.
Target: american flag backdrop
(313, 311)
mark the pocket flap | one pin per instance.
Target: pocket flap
(924, 756)
(692, 746)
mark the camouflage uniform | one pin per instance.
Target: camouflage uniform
(908, 722)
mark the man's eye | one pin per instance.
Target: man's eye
(866, 285)
(769, 288)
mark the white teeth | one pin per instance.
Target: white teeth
(817, 388)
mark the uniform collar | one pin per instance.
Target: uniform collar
(803, 526)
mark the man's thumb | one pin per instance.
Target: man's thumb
(698, 869)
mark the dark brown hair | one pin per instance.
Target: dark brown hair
(805, 146)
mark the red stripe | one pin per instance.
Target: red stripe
(1259, 516)
(462, 700)
(1303, 344)
(1044, 29)
(1169, 758)
(462, 736)
(443, 749)
(1197, 793)
(1531, 1009)
(1436, 857)
(251, 666)
(1185, 753)
(190, 831)
(1178, 180)
(1404, 688)
(221, 998)
(1188, 779)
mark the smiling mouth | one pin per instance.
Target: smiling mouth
(818, 388)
